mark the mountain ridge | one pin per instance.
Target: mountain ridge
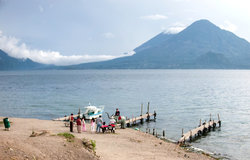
(200, 45)
(183, 50)
(10, 63)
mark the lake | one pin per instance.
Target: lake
(180, 97)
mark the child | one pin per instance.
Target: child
(92, 125)
(83, 125)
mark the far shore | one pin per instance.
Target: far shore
(47, 144)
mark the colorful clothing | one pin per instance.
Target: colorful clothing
(83, 126)
(99, 124)
(78, 123)
(92, 126)
(78, 129)
(71, 123)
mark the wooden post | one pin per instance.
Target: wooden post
(132, 120)
(199, 133)
(219, 121)
(128, 124)
(148, 117)
(79, 112)
(141, 113)
(163, 133)
(190, 137)
(214, 125)
(141, 109)
(148, 108)
(209, 126)
(149, 130)
(154, 115)
(153, 131)
(205, 122)
(182, 132)
(146, 130)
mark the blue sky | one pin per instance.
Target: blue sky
(69, 32)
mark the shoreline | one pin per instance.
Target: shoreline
(124, 144)
(189, 147)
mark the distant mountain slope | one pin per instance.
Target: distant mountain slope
(10, 63)
(159, 39)
(201, 45)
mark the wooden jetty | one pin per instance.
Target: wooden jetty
(140, 119)
(200, 130)
(65, 118)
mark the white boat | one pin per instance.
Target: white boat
(92, 112)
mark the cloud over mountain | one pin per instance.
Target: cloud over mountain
(15, 48)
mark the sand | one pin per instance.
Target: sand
(123, 145)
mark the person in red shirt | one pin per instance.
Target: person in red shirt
(71, 119)
(79, 124)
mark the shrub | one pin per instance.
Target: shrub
(93, 143)
(68, 136)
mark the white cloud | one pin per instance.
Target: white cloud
(154, 17)
(108, 35)
(229, 26)
(41, 9)
(15, 48)
(175, 28)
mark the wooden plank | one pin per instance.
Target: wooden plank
(65, 118)
(187, 135)
(131, 120)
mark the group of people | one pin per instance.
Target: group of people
(81, 125)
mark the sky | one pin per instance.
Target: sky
(64, 32)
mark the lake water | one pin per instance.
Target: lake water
(180, 97)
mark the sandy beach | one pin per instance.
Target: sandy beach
(124, 144)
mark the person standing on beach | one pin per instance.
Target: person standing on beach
(99, 123)
(92, 125)
(83, 125)
(79, 124)
(71, 119)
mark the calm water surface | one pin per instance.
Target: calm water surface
(180, 97)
